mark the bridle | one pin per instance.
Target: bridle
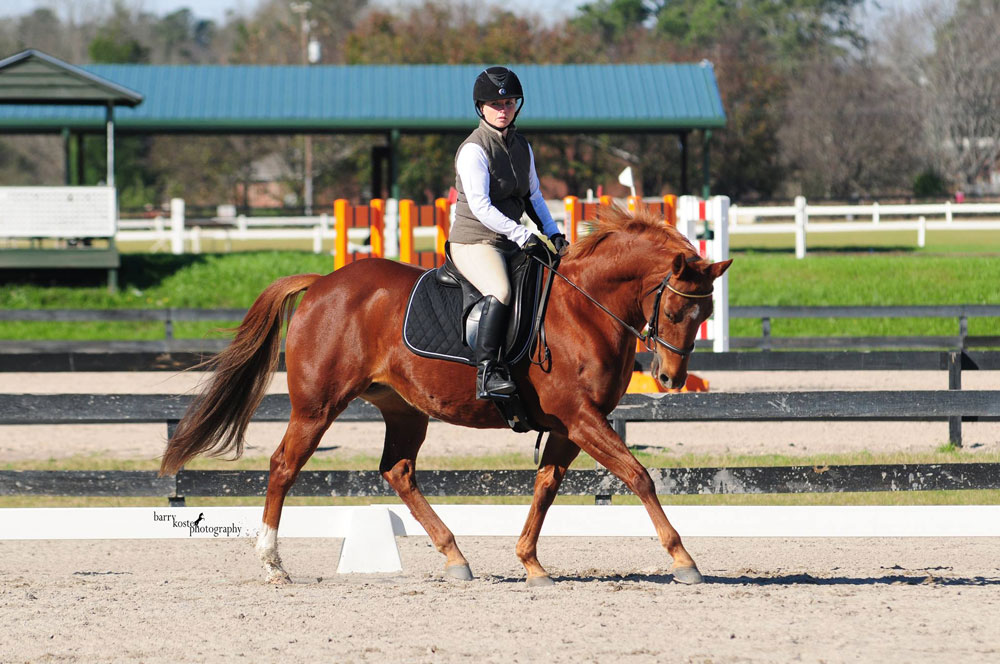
(651, 331)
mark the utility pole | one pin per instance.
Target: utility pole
(302, 9)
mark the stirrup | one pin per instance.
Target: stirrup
(502, 387)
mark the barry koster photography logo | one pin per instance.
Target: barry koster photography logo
(199, 525)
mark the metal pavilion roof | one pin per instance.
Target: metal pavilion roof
(376, 98)
(33, 77)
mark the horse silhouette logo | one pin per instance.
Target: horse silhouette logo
(201, 515)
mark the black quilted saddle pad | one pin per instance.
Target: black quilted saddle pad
(433, 326)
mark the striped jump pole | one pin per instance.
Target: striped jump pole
(706, 224)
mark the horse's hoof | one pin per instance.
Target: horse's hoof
(688, 575)
(540, 581)
(458, 572)
(281, 579)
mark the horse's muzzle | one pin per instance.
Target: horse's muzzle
(659, 372)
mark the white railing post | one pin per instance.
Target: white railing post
(947, 212)
(687, 217)
(801, 219)
(241, 223)
(922, 232)
(196, 240)
(177, 226)
(719, 213)
(317, 239)
(875, 215)
(391, 228)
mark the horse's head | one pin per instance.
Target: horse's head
(675, 309)
(675, 285)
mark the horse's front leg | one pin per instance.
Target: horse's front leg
(593, 433)
(559, 454)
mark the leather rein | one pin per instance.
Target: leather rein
(651, 331)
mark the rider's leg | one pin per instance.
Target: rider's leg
(484, 266)
(492, 377)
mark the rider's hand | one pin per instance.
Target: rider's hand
(560, 243)
(535, 247)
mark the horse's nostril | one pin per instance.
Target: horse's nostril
(665, 379)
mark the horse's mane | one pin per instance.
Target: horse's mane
(614, 219)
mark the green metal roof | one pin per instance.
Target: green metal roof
(33, 77)
(377, 98)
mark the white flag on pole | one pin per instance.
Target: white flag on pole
(625, 178)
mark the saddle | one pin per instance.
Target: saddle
(442, 320)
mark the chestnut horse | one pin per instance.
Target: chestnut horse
(345, 342)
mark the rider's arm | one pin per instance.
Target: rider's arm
(474, 170)
(538, 202)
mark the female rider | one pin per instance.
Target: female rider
(496, 181)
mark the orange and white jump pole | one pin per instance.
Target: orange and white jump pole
(706, 224)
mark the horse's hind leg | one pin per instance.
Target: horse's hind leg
(405, 430)
(298, 444)
(559, 454)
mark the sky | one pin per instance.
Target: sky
(217, 9)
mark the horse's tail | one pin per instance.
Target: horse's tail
(217, 419)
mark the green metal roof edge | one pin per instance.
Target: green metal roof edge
(360, 125)
(121, 95)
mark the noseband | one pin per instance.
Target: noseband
(652, 329)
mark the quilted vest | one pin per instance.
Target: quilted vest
(510, 163)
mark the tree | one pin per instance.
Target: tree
(791, 31)
(964, 82)
(852, 130)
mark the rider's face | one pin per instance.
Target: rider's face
(500, 113)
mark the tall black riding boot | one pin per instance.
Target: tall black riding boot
(492, 377)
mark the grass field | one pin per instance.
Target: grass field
(954, 270)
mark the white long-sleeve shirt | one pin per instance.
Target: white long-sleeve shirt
(473, 168)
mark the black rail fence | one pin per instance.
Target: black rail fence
(929, 405)
(169, 316)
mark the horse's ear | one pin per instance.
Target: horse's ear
(716, 270)
(679, 265)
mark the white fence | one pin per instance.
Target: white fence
(802, 218)
(179, 235)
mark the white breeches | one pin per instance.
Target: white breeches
(484, 266)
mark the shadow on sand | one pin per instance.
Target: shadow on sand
(798, 579)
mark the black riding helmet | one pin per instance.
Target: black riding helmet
(496, 83)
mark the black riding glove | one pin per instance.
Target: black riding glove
(535, 247)
(560, 243)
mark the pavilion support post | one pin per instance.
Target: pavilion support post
(78, 175)
(684, 163)
(110, 124)
(394, 164)
(706, 175)
(67, 157)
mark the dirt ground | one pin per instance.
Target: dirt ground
(765, 600)
(778, 600)
(350, 439)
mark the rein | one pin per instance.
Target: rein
(651, 329)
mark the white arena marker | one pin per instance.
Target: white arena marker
(370, 544)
